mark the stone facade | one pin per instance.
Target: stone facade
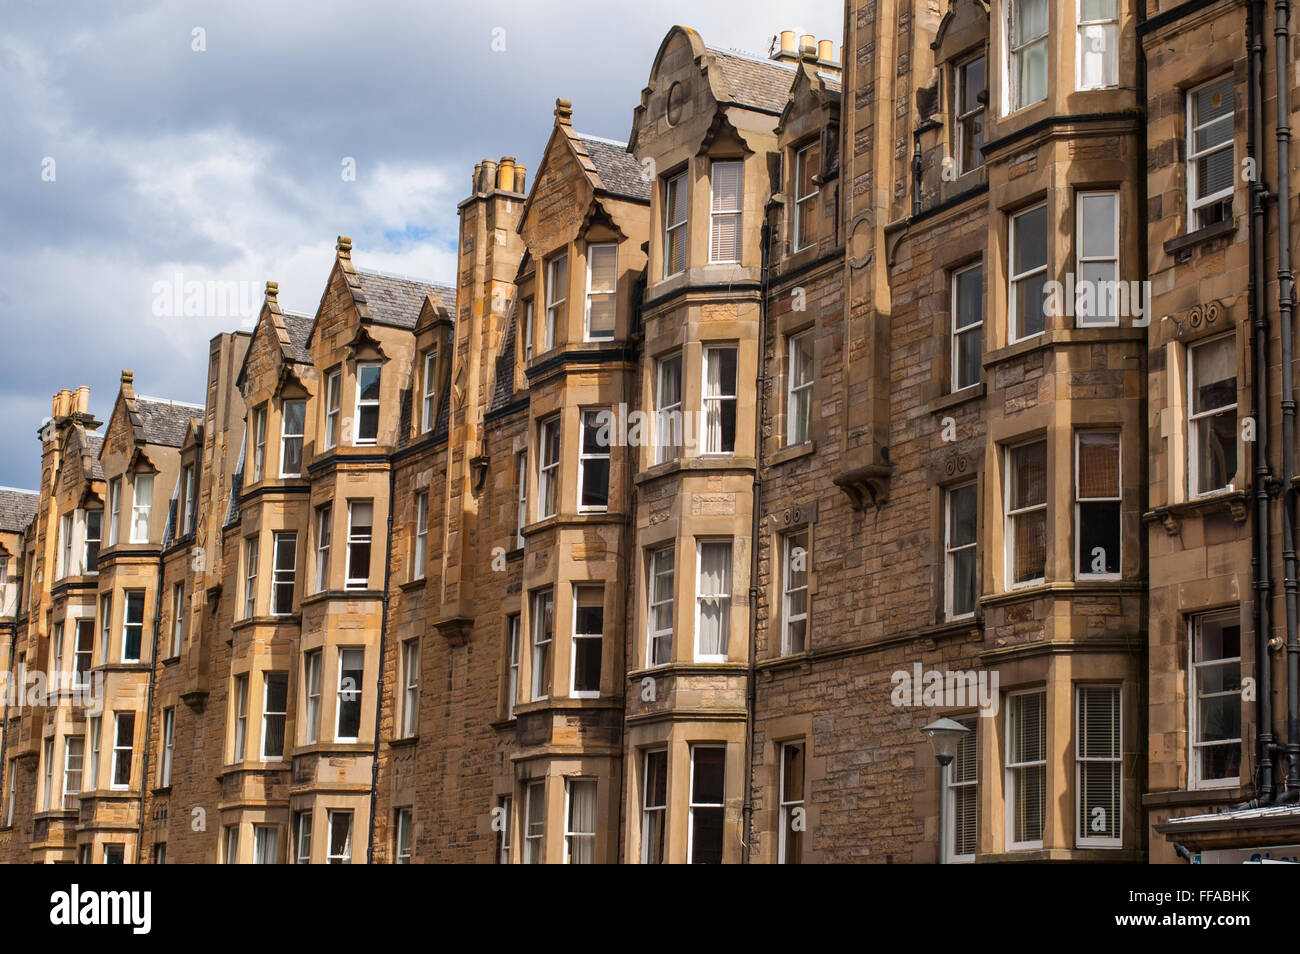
(829, 405)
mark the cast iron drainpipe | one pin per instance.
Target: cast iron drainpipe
(379, 685)
(751, 684)
(1282, 69)
(1264, 481)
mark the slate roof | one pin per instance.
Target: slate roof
(763, 84)
(299, 329)
(503, 391)
(397, 301)
(94, 445)
(617, 167)
(17, 507)
(165, 421)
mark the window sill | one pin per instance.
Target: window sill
(1236, 502)
(709, 463)
(953, 399)
(171, 660)
(1182, 243)
(341, 595)
(405, 741)
(413, 584)
(792, 452)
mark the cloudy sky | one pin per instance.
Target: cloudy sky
(130, 158)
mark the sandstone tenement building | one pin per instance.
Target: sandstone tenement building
(944, 372)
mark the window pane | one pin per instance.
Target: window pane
(1030, 241)
(1214, 373)
(970, 303)
(1098, 213)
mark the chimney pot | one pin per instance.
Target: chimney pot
(787, 41)
(808, 43)
(521, 177)
(826, 51)
(488, 178)
(506, 174)
(83, 400)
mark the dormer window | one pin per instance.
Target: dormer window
(528, 330)
(368, 379)
(115, 509)
(259, 442)
(90, 543)
(602, 291)
(292, 428)
(333, 393)
(807, 166)
(675, 225)
(968, 87)
(426, 406)
(142, 508)
(557, 295)
(727, 184)
(187, 500)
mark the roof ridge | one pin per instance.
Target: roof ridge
(403, 278)
(21, 490)
(163, 400)
(605, 140)
(752, 57)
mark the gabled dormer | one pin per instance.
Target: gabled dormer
(583, 223)
(430, 381)
(277, 381)
(807, 193)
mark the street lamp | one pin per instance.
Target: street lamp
(944, 735)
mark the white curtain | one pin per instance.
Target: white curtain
(715, 599)
(582, 823)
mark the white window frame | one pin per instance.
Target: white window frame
(534, 843)
(1099, 320)
(1196, 203)
(231, 845)
(178, 618)
(676, 183)
(737, 213)
(429, 398)
(975, 328)
(668, 438)
(94, 731)
(286, 437)
(1014, 278)
(402, 836)
(1012, 768)
(259, 443)
(187, 486)
(376, 403)
(65, 546)
(958, 785)
(333, 407)
(346, 857)
(169, 738)
(420, 556)
(410, 687)
(1081, 839)
(47, 787)
(282, 576)
(692, 804)
(959, 82)
(785, 804)
(521, 511)
(724, 598)
(302, 840)
(570, 833)
(1084, 561)
(115, 510)
(240, 713)
(574, 692)
(950, 551)
(356, 538)
(556, 308)
(313, 677)
(356, 695)
(654, 635)
(711, 441)
(600, 293)
(127, 624)
(105, 626)
(266, 844)
(71, 790)
(529, 308)
(250, 576)
(1193, 417)
(789, 618)
(80, 672)
(794, 392)
(584, 456)
(1009, 537)
(1195, 779)
(118, 747)
(542, 648)
(141, 510)
(804, 203)
(513, 636)
(324, 537)
(1014, 53)
(507, 805)
(548, 469)
(1107, 30)
(268, 714)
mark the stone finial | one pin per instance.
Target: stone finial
(345, 246)
(272, 290)
(128, 377)
(563, 112)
